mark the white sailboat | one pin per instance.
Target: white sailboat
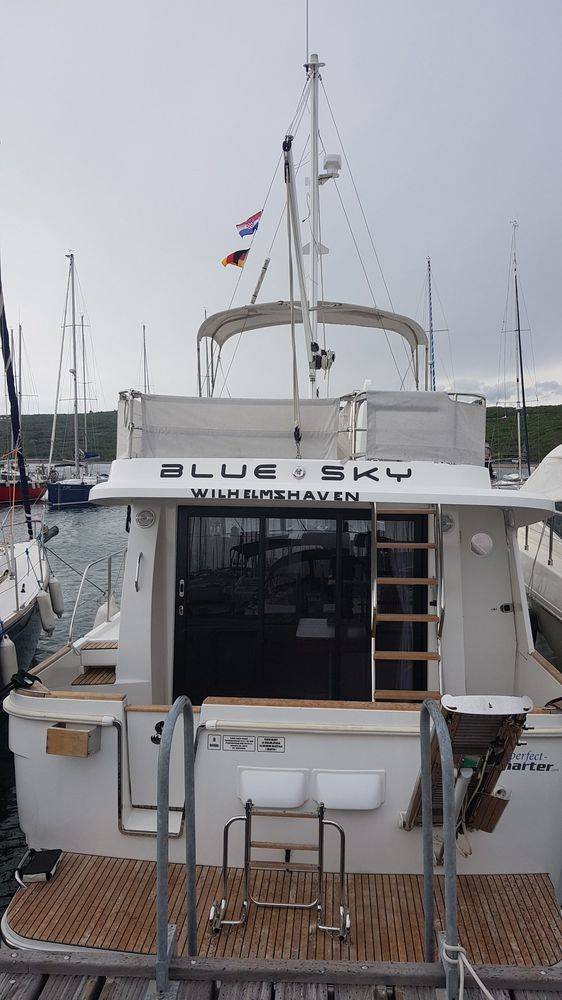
(30, 596)
(307, 573)
(75, 489)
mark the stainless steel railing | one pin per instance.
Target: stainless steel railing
(94, 562)
(165, 932)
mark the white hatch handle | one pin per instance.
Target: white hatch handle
(137, 574)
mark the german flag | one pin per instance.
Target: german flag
(238, 258)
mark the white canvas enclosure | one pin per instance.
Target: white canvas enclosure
(238, 428)
(404, 426)
(424, 426)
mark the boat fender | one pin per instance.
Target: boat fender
(101, 613)
(49, 532)
(47, 615)
(56, 595)
(8, 659)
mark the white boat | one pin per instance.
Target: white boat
(29, 594)
(541, 553)
(307, 573)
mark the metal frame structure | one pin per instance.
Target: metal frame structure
(218, 909)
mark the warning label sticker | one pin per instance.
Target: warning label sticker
(243, 744)
(271, 744)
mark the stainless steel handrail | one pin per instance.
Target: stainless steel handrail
(430, 709)
(165, 932)
(94, 562)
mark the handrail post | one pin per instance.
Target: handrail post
(165, 932)
(430, 709)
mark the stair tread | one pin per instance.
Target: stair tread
(282, 866)
(284, 814)
(426, 581)
(390, 694)
(405, 545)
(271, 845)
(400, 617)
(405, 654)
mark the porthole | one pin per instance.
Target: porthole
(481, 544)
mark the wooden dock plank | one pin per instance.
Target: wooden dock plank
(26, 987)
(71, 988)
(109, 904)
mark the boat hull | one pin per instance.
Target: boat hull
(13, 494)
(65, 494)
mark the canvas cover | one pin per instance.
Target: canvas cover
(424, 426)
(165, 426)
(546, 480)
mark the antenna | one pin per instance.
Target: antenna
(307, 52)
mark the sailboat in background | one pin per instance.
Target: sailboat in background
(74, 489)
(11, 491)
(30, 597)
(523, 460)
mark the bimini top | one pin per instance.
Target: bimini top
(223, 325)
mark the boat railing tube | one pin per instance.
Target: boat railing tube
(165, 932)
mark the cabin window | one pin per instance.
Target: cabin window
(276, 604)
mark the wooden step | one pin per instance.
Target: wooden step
(271, 845)
(406, 545)
(284, 814)
(397, 695)
(399, 617)
(407, 581)
(291, 866)
(404, 654)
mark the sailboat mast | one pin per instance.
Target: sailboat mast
(74, 364)
(521, 375)
(431, 343)
(19, 369)
(84, 385)
(314, 76)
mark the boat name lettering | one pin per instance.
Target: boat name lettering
(269, 470)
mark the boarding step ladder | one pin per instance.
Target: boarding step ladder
(217, 915)
(484, 731)
(433, 603)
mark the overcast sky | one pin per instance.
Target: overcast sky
(139, 133)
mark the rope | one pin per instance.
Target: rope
(456, 955)
(74, 570)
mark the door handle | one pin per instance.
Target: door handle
(137, 574)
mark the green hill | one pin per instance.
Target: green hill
(102, 435)
(545, 432)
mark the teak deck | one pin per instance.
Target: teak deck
(95, 675)
(109, 904)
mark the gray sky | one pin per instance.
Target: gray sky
(139, 133)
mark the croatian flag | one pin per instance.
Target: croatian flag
(249, 227)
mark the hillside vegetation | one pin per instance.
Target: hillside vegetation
(545, 432)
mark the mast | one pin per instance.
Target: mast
(74, 370)
(7, 354)
(431, 343)
(84, 386)
(57, 393)
(521, 374)
(19, 369)
(313, 69)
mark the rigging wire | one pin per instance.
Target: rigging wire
(296, 125)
